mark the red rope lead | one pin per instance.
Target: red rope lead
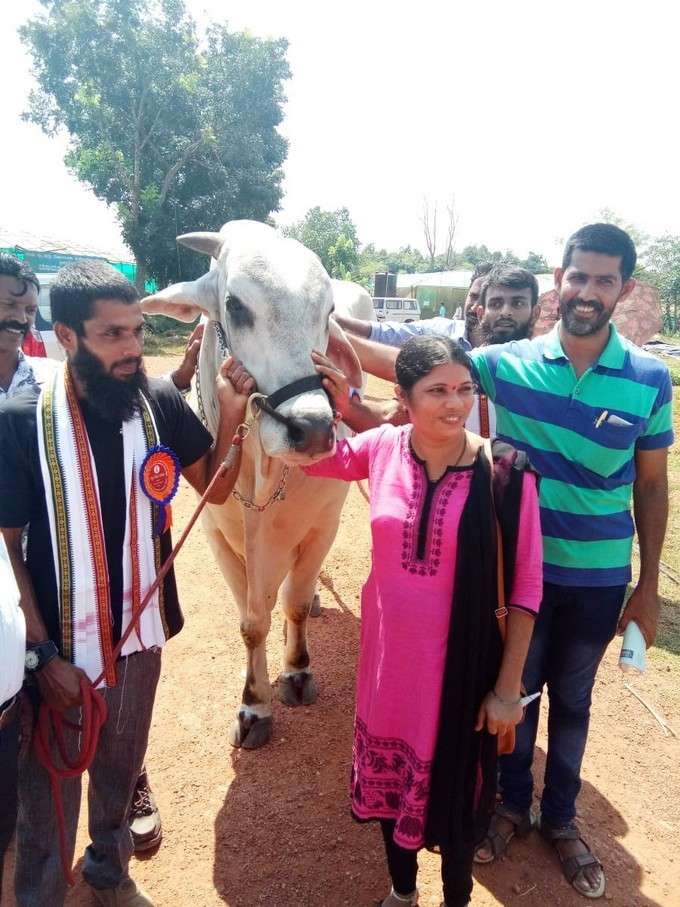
(93, 717)
(94, 705)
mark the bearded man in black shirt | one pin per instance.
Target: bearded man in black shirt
(89, 464)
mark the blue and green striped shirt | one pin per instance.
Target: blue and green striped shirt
(581, 435)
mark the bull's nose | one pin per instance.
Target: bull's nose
(311, 436)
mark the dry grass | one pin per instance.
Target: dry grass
(163, 345)
(664, 658)
(673, 364)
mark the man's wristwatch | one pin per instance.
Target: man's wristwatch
(38, 655)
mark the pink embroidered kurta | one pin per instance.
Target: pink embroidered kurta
(405, 612)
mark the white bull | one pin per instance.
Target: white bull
(268, 300)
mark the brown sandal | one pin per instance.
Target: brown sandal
(573, 866)
(498, 843)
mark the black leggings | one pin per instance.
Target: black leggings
(403, 868)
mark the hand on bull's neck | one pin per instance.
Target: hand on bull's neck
(233, 386)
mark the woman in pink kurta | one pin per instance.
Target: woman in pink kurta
(418, 493)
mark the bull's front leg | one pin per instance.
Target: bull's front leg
(253, 725)
(297, 685)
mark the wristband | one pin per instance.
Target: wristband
(505, 701)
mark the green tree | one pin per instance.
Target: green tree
(333, 236)
(535, 263)
(342, 257)
(372, 261)
(639, 237)
(474, 255)
(178, 133)
(662, 268)
(406, 260)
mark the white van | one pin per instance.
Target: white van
(43, 319)
(393, 308)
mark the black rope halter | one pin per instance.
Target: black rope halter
(270, 403)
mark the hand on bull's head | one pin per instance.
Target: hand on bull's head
(233, 387)
(335, 381)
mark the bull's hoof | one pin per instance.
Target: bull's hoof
(250, 731)
(298, 689)
(315, 610)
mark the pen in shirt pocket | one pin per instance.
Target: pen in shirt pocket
(611, 419)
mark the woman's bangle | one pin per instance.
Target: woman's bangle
(505, 701)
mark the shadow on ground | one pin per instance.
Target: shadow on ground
(291, 797)
(668, 635)
(531, 875)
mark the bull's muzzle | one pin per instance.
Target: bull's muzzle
(311, 436)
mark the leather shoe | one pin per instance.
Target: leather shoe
(144, 817)
(126, 894)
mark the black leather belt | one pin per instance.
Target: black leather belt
(8, 712)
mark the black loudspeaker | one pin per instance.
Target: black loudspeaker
(380, 284)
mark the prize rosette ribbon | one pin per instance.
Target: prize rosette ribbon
(159, 478)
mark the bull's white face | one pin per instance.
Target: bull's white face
(273, 298)
(275, 303)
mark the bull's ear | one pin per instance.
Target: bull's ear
(208, 243)
(341, 352)
(186, 301)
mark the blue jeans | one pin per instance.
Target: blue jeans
(573, 629)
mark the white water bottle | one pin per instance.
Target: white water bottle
(633, 650)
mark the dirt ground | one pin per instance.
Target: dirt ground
(272, 827)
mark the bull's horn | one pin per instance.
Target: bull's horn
(185, 301)
(208, 243)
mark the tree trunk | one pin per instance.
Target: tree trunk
(140, 276)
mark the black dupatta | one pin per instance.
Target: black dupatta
(463, 780)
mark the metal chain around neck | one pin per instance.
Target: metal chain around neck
(279, 493)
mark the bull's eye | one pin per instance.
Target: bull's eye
(239, 314)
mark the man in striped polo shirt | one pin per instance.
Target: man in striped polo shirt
(593, 411)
